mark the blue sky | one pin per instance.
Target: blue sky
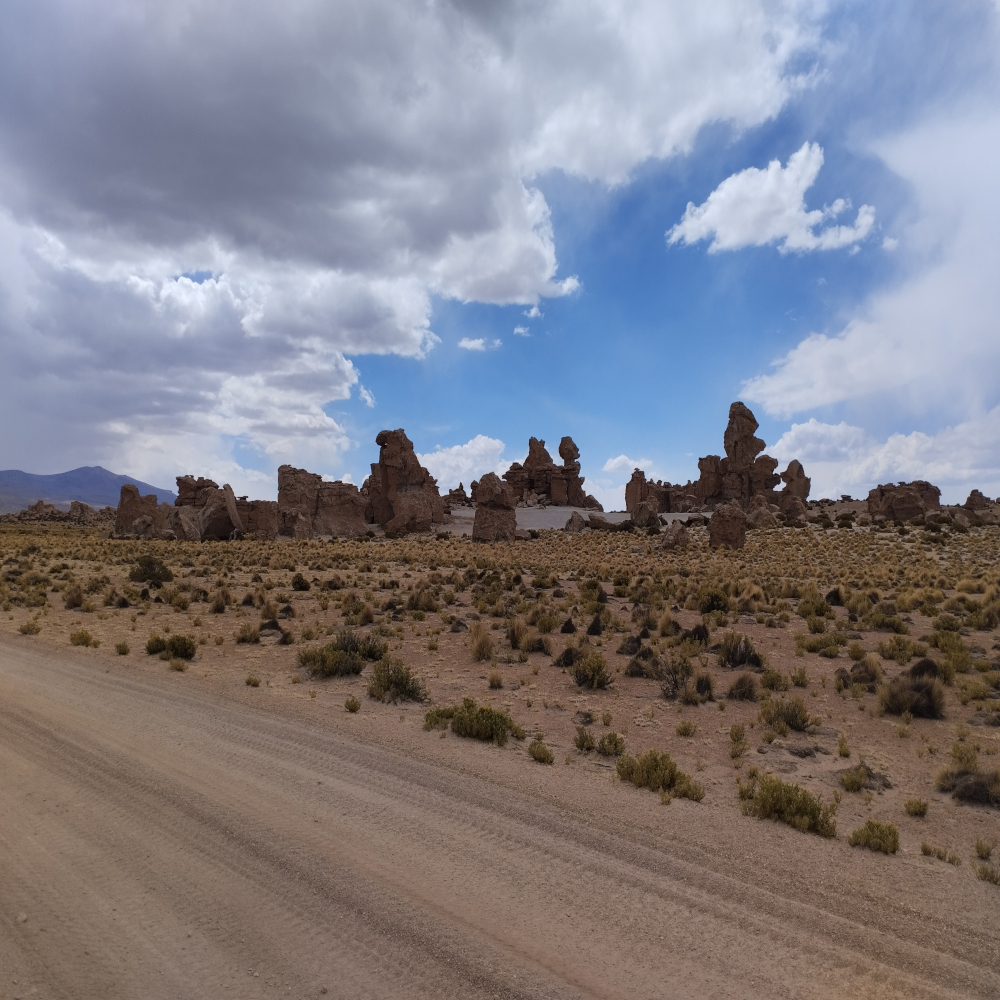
(356, 198)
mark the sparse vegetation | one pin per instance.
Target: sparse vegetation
(767, 797)
(876, 836)
(736, 650)
(916, 807)
(658, 772)
(538, 751)
(476, 722)
(392, 680)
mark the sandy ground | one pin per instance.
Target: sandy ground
(538, 518)
(179, 835)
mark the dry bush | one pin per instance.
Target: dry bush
(876, 836)
(392, 680)
(538, 751)
(768, 797)
(736, 650)
(658, 772)
(922, 697)
(481, 642)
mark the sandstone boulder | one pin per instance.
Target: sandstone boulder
(193, 492)
(675, 536)
(792, 506)
(185, 523)
(575, 524)
(646, 515)
(903, 501)
(218, 517)
(308, 507)
(496, 520)
(727, 527)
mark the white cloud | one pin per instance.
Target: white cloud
(533, 312)
(890, 243)
(468, 344)
(332, 171)
(624, 464)
(929, 344)
(367, 397)
(844, 459)
(758, 207)
(462, 463)
(522, 331)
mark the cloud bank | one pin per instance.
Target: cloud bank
(462, 463)
(207, 209)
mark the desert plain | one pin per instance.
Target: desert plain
(236, 812)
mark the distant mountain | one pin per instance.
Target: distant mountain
(91, 484)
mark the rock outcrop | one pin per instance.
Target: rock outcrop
(977, 501)
(727, 527)
(743, 474)
(401, 495)
(759, 514)
(142, 517)
(496, 520)
(646, 515)
(903, 501)
(675, 536)
(556, 484)
(308, 507)
(78, 513)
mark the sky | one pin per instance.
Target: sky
(234, 236)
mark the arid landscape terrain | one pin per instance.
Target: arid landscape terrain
(203, 798)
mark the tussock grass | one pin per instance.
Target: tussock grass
(475, 722)
(344, 655)
(658, 772)
(744, 688)
(876, 836)
(784, 714)
(81, 637)
(736, 650)
(538, 751)
(768, 797)
(922, 697)
(916, 807)
(392, 680)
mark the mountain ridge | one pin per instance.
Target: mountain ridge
(90, 484)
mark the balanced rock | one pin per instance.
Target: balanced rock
(308, 507)
(727, 527)
(402, 495)
(539, 475)
(496, 520)
(797, 483)
(903, 501)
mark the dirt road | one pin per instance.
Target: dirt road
(161, 838)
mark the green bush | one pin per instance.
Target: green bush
(344, 655)
(537, 750)
(183, 647)
(916, 807)
(768, 797)
(611, 744)
(854, 778)
(737, 650)
(920, 696)
(476, 722)
(81, 637)
(658, 772)
(155, 644)
(392, 680)
(783, 714)
(352, 704)
(122, 648)
(584, 740)
(743, 688)
(876, 836)
(591, 671)
(148, 569)
(774, 680)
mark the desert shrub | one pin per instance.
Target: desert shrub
(686, 728)
(854, 778)
(218, 603)
(984, 848)
(900, 649)
(352, 704)
(737, 740)
(517, 632)
(122, 648)
(183, 647)
(876, 836)
(658, 772)
(81, 637)
(920, 696)
(965, 756)
(856, 651)
(73, 597)
(495, 680)
(988, 873)
(176, 663)
(591, 671)
(481, 642)
(799, 677)
(330, 661)
(392, 680)
(743, 688)
(584, 739)
(737, 650)
(712, 599)
(149, 569)
(248, 633)
(611, 744)
(976, 787)
(30, 628)
(476, 722)
(768, 797)
(866, 672)
(916, 807)
(774, 680)
(299, 582)
(155, 644)
(675, 674)
(252, 681)
(537, 750)
(783, 714)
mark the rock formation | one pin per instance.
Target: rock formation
(675, 536)
(557, 484)
(308, 507)
(78, 513)
(759, 513)
(977, 501)
(142, 517)
(903, 501)
(727, 527)
(401, 494)
(495, 520)
(459, 496)
(646, 515)
(743, 474)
